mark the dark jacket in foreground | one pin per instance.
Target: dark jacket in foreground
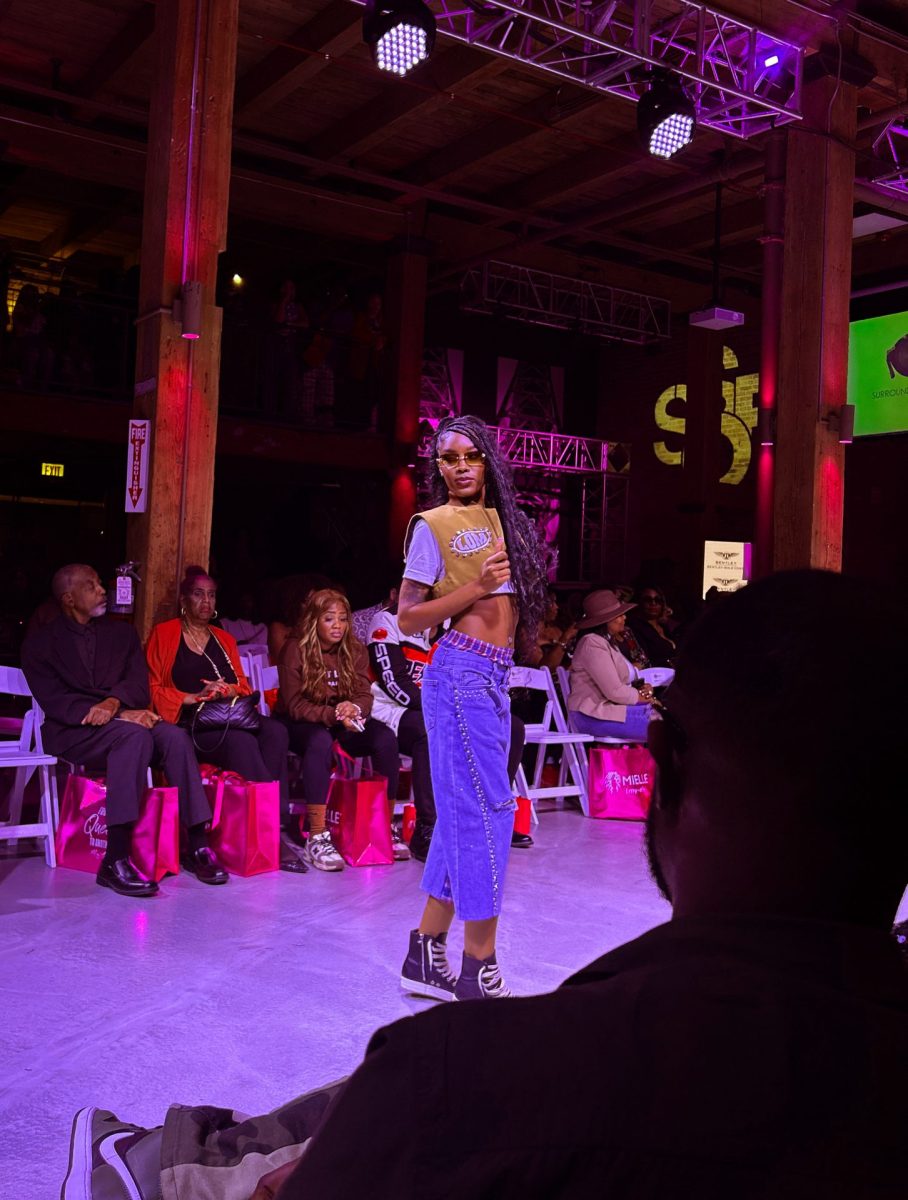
(64, 687)
(710, 1059)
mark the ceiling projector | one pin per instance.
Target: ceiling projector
(717, 318)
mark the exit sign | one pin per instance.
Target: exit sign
(53, 469)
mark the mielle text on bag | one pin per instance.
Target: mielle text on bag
(359, 819)
(621, 782)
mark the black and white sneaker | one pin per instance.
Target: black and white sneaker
(320, 853)
(111, 1160)
(480, 979)
(426, 970)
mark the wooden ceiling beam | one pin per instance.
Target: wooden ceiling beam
(622, 156)
(131, 37)
(331, 32)
(739, 222)
(541, 115)
(461, 67)
(80, 227)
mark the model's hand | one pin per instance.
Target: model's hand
(140, 716)
(347, 711)
(496, 570)
(100, 714)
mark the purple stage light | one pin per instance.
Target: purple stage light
(671, 135)
(400, 32)
(666, 116)
(402, 48)
(771, 60)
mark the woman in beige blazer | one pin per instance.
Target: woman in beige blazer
(602, 700)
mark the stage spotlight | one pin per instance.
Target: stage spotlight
(400, 32)
(666, 116)
(771, 60)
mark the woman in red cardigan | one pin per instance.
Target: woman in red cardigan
(190, 660)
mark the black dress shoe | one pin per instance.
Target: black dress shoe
(204, 866)
(521, 841)
(294, 866)
(122, 877)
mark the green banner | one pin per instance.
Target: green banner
(878, 374)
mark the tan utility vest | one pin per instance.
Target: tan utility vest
(465, 536)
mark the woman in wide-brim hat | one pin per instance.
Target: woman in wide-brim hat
(602, 700)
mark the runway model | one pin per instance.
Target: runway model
(473, 559)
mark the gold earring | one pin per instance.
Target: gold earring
(182, 611)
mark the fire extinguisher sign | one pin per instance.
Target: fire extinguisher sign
(137, 453)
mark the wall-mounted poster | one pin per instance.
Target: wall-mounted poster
(878, 374)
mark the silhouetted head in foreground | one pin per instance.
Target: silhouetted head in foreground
(780, 784)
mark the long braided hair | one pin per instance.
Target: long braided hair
(315, 676)
(520, 536)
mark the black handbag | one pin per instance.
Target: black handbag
(209, 716)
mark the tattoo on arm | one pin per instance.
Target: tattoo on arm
(412, 593)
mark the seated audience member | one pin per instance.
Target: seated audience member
(326, 697)
(89, 676)
(653, 627)
(397, 661)
(753, 1046)
(361, 619)
(243, 627)
(602, 701)
(191, 660)
(555, 636)
(293, 592)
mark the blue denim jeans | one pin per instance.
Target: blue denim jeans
(632, 730)
(467, 711)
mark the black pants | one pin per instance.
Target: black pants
(260, 757)
(414, 741)
(124, 752)
(315, 746)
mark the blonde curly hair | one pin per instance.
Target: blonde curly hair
(315, 675)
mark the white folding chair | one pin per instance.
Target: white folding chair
(564, 683)
(263, 679)
(551, 730)
(25, 755)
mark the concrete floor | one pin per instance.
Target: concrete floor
(250, 994)
(247, 995)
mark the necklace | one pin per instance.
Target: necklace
(200, 649)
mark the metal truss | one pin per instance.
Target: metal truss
(613, 46)
(530, 401)
(561, 302)
(892, 147)
(559, 453)
(437, 398)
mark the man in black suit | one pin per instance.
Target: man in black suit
(89, 676)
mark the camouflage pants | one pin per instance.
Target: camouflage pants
(217, 1154)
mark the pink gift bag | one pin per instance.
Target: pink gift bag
(359, 818)
(621, 782)
(245, 823)
(81, 839)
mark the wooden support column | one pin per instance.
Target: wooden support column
(405, 307)
(808, 486)
(184, 229)
(702, 448)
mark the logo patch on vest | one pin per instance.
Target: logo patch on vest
(470, 541)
